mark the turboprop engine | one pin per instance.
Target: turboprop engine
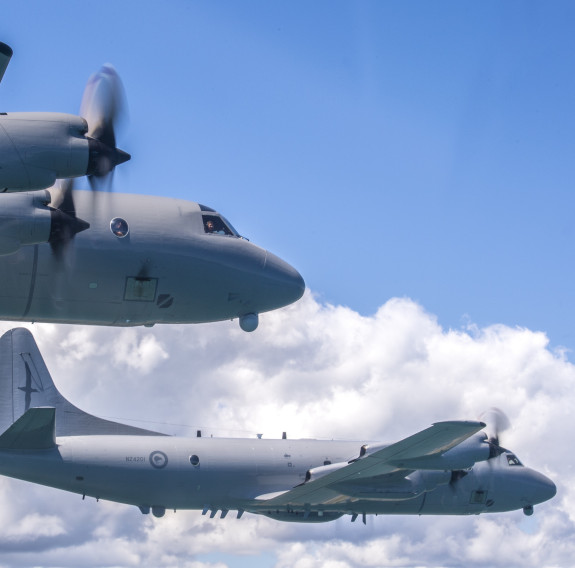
(40, 147)
(37, 148)
(27, 219)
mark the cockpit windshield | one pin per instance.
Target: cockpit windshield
(512, 459)
(217, 225)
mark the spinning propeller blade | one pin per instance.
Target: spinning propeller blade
(497, 422)
(103, 106)
(65, 223)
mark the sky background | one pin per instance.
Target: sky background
(414, 161)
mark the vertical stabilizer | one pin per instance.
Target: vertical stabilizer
(26, 383)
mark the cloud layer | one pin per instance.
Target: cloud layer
(312, 370)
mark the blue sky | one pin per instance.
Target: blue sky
(386, 149)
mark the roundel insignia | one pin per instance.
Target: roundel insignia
(158, 459)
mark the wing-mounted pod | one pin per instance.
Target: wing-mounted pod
(27, 219)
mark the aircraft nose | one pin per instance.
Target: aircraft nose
(285, 279)
(541, 488)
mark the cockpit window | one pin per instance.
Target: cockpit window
(513, 460)
(214, 224)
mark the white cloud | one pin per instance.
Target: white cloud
(312, 370)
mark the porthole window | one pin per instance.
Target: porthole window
(195, 460)
(119, 227)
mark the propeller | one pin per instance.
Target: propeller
(65, 224)
(103, 106)
(497, 422)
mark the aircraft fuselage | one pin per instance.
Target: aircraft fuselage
(165, 269)
(216, 474)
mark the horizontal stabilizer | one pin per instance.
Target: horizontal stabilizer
(35, 430)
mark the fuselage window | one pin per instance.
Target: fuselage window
(119, 227)
(513, 460)
(195, 460)
(213, 224)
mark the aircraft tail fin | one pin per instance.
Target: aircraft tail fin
(35, 430)
(25, 383)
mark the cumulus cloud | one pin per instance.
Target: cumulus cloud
(312, 370)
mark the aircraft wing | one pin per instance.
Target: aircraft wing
(433, 441)
(5, 55)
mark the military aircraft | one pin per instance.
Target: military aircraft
(111, 259)
(450, 468)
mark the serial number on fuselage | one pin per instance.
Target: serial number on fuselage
(135, 459)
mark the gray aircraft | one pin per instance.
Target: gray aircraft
(110, 259)
(450, 468)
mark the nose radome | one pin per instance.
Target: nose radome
(542, 488)
(549, 489)
(285, 277)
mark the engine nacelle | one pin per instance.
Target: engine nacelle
(320, 471)
(36, 148)
(404, 489)
(427, 480)
(27, 219)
